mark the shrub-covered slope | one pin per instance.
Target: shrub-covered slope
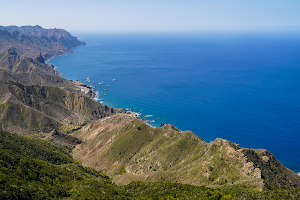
(129, 150)
(36, 169)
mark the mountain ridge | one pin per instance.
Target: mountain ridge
(36, 102)
(27, 108)
(168, 154)
(30, 40)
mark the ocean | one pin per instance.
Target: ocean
(239, 86)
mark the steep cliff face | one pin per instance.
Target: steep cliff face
(56, 35)
(30, 40)
(25, 109)
(129, 150)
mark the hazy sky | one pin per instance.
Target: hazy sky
(154, 15)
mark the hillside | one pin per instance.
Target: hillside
(21, 69)
(29, 40)
(34, 98)
(32, 108)
(127, 149)
(14, 63)
(141, 162)
(36, 169)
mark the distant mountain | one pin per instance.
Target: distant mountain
(34, 98)
(12, 62)
(29, 40)
(29, 71)
(56, 35)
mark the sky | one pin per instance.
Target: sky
(154, 15)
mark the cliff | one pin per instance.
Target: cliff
(30, 40)
(56, 35)
(36, 102)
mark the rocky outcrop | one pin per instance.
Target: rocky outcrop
(40, 58)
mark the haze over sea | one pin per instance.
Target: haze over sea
(240, 86)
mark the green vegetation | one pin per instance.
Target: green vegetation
(34, 148)
(35, 169)
(34, 101)
(270, 170)
(166, 154)
(163, 190)
(121, 170)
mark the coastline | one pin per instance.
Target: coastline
(107, 100)
(89, 91)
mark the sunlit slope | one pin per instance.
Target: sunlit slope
(128, 149)
(32, 108)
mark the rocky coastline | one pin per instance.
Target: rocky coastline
(37, 102)
(84, 88)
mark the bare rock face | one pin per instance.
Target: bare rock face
(40, 58)
(266, 159)
(11, 51)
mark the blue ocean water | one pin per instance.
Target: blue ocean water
(244, 87)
